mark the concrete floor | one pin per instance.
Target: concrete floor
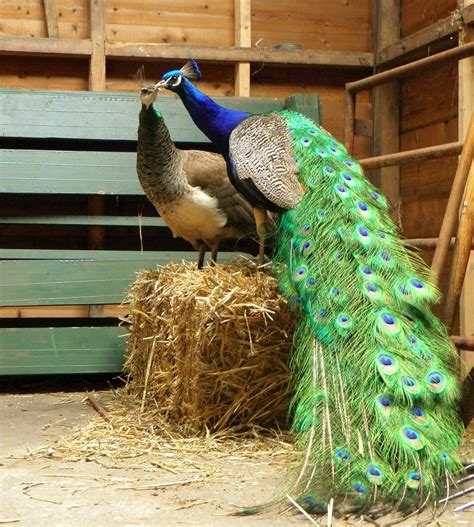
(37, 491)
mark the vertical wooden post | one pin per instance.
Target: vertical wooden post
(386, 101)
(242, 38)
(51, 19)
(466, 109)
(97, 62)
(96, 235)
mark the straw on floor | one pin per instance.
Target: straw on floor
(208, 350)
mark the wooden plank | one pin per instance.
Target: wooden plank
(302, 57)
(97, 60)
(242, 39)
(99, 116)
(26, 351)
(386, 112)
(104, 221)
(45, 47)
(70, 311)
(51, 19)
(68, 172)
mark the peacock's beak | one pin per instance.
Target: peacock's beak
(163, 83)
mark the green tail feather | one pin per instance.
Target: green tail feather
(375, 373)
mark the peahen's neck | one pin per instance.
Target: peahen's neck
(215, 121)
(158, 160)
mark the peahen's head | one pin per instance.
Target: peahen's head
(148, 92)
(175, 80)
(148, 95)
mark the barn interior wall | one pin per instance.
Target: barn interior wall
(429, 116)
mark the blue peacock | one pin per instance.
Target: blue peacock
(375, 375)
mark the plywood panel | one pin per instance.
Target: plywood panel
(337, 25)
(327, 84)
(418, 14)
(429, 97)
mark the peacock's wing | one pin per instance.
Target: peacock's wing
(208, 171)
(261, 151)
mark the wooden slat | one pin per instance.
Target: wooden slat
(27, 351)
(71, 255)
(104, 221)
(68, 172)
(98, 116)
(44, 282)
(51, 19)
(70, 311)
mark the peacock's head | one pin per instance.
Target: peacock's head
(174, 80)
(148, 95)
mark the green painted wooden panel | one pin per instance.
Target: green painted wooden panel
(61, 350)
(104, 221)
(106, 116)
(62, 282)
(78, 281)
(68, 172)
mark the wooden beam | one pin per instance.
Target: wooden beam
(38, 46)
(51, 19)
(426, 37)
(303, 57)
(45, 47)
(97, 62)
(71, 311)
(242, 23)
(386, 104)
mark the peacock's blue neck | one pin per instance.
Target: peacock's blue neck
(213, 120)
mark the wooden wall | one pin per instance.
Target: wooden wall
(429, 111)
(325, 24)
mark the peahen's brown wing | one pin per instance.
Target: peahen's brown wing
(261, 151)
(208, 171)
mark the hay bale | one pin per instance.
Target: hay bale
(209, 349)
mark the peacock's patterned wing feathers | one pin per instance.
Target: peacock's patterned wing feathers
(375, 372)
(267, 162)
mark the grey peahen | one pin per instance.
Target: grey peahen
(375, 375)
(189, 188)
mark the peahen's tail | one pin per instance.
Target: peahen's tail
(375, 403)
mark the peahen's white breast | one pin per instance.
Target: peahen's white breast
(194, 216)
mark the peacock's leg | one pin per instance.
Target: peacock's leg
(201, 247)
(260, 221)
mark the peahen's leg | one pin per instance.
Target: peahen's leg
(214, 251)
(201, 247)
(260, 221)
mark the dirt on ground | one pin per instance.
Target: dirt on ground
(37, 490)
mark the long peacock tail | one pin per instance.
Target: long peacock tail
(375, 404)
